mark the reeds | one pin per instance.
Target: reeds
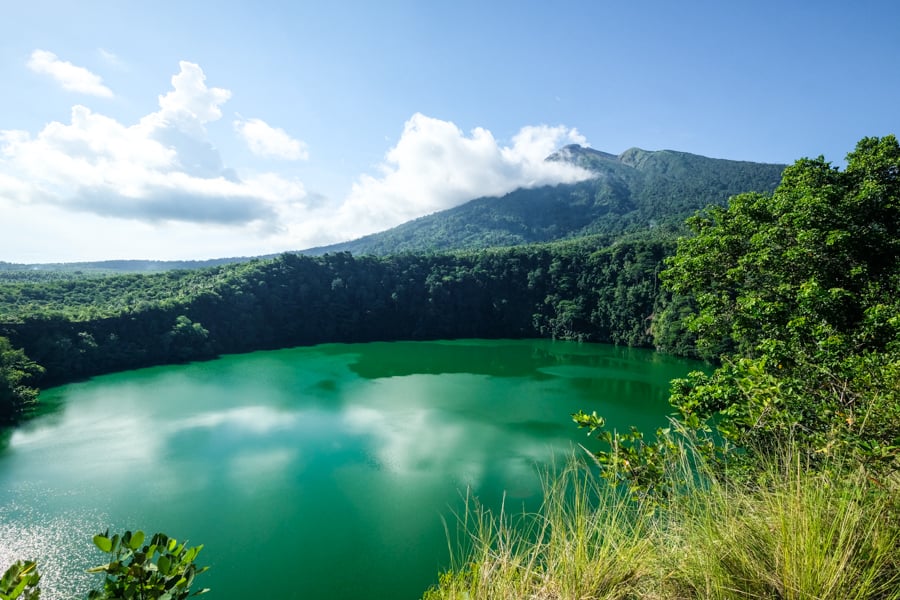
(791, 534)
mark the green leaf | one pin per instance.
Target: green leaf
(103, 542)
(19, 589)
(137, 539)
(164, 564)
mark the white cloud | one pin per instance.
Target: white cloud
(435, 166)
(270, 142)
(190, 104)
(69, 76)
(422, 442)
(162, 168)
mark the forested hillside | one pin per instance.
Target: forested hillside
(632, 192)
(592, 289)
(16, 272)
(602, 288)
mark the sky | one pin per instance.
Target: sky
(192, 129)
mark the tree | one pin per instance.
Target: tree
(794, 295)
(16, 372)
(187, 340)
(798, 293)
(806, 265)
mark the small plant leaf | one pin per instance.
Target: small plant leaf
(164, 564)
(137, 539)
(103, 542)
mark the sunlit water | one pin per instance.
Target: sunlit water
(319, 472)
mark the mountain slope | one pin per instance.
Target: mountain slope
(637, 189)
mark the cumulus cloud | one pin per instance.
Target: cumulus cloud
(435, 166)
(162, 168)
(190, 104)
(69, 76)
(270, 142)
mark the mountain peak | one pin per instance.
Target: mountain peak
(575, 150)
(582, 156)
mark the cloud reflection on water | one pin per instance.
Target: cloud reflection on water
(412, 433)
(257, 420)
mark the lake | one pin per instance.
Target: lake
(315, 472)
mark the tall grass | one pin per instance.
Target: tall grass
(793, 534)
(798, 536)
(585, 542)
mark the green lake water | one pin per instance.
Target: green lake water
(317, 472)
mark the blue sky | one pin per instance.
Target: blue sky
(191, 129)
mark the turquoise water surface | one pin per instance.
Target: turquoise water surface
(317, 472)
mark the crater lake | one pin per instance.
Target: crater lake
(313, 472)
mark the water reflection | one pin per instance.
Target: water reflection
(29, 531)
(424, 442)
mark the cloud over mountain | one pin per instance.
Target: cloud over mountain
(435, 166)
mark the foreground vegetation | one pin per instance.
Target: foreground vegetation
(797, 534)
(161, 569)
